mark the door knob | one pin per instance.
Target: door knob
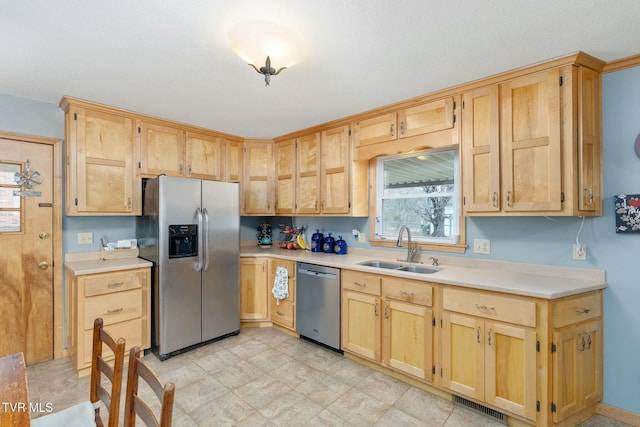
(43, 265)
(43, 235)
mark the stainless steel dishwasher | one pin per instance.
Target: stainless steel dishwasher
(318, 304)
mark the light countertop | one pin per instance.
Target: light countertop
(533, 280)
(92, 266)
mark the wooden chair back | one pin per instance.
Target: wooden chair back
(98, 367)
(136, 406)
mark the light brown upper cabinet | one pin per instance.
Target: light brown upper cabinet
(232, 160)
(285, 154)
(161, 149)
(407, 128)
(308, 174)
(258, 178)
(335, 171)
(532, 145)
(203, 156)
(100, 174)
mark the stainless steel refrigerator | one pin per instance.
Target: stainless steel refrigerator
(190, 229)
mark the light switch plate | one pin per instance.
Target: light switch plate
(482, 246)
(85, 238)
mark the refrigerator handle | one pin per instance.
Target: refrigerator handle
(205, 212)
(198, 217)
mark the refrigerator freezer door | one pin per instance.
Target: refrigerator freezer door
(178, 313)
(220, 278)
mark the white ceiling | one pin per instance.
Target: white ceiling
(172, 58)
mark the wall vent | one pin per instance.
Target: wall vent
(481, 409)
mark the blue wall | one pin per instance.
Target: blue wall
(532, 240)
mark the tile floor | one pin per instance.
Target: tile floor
(264, 377)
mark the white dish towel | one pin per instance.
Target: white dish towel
(281, 284)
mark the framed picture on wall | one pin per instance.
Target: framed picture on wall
(627, 212)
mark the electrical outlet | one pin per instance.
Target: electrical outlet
(580, 252)
(362, 238)
(85, 238)
(482, 246)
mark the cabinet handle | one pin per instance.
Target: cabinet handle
(115, 310)
(489, 338)
(180, 168)
(363, 285)
(279, 313)
(494, 199)
(478, 334)
(406, 293)
(316, 206)
(485, 309)
(263, 267)
(589, 192)
(386, 311)
(322, 205)
(588, 341)
(509, 198)
(401, 128)
(583, 342)
(393, 132)
(375, 309)
(129, 202)
(583, 311)
(114, 285)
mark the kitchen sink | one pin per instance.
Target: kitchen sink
(399, 267)
(381, 264)
(418, 269)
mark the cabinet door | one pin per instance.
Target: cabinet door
(308, 174)
(381, 128)
(407, 340)
(203, 156)
(361, 324)
(510, 368)
(161, 150)
(577, 368)
(481, 150)
(233, 160)
(285, 177)
(335, 171)
(254, 289)
(589, 140)
(257, 178)
(530, 142)
(105, 177)
(426, 118)
(463, 355)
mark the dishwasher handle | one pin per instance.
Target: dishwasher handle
(331, 276)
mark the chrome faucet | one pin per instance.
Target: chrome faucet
(411, 251)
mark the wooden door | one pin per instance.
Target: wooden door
(203, 156)
(26, 258)
(233, 160)
(161, 150)
(361, 324)
(510, 368)
(589, 140)
(530, 141)
(463, 355)
(257, 178)
(254, 292)
(481, 150)
(100, 177)
(377, 129)
(407, 338)
(308, 174)
(577, 368)
(285, 177)
(335, 171)
(426, 118)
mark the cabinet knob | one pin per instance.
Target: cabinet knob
(43, 265)
(43, 235)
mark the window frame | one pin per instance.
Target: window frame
(452, 247)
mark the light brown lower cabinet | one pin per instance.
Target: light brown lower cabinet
(283, 312)
(254, 291)
(121, 298)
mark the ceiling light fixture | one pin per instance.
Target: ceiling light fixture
(255, 40)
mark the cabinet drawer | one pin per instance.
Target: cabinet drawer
(408, 290)
(361, 282)
(289, 265)
(113, 308)
(112, 282)
(505, 309)
(282, 313)
(130, 330)
(573, 310)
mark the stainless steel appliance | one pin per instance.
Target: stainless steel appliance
(318, 304)
(189, 229)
